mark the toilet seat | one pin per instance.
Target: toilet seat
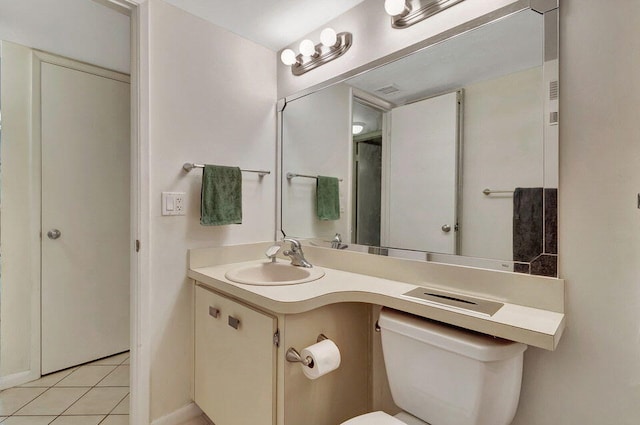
(375, 418)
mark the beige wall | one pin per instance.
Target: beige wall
(78, 29)
(211, 100)
(316, 137)
(20, 286)
(502, 149)
(594, 376)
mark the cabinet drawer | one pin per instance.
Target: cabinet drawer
(235, 361)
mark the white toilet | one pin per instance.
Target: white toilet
(441, 375)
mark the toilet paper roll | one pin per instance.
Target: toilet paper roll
(326, 358)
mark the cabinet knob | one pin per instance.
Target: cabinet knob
(214, 312)
(233, 322)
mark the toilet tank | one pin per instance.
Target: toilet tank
(450, 376)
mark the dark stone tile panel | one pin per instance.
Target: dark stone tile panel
(551, 221)
(545, 265)
(528, 239)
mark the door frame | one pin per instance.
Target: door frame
(140, 330)
(140, 345)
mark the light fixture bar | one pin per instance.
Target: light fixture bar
(323, 54)
(419, 10)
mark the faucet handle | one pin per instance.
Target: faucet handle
(272, 251)
(295, 244)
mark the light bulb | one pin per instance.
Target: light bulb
(357, 127)
(288, 57)
(395, 7)
(328, 37)
(307, 48)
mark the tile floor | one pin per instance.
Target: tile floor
(91, 394)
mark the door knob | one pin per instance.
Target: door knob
(446, 228)
(54, 234)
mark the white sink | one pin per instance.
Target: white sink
(272, 274)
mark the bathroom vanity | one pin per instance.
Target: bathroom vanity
(242, 331)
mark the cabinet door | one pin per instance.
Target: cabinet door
(235, 361)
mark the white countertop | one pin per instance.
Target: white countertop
(531, 326)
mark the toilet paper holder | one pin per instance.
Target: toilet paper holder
(293, 356)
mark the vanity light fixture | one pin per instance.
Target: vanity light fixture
(332, 45)
(405, 13)
(357, 128)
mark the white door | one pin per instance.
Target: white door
(85, 216)
(422, 175)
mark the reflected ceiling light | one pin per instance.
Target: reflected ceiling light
(332, 45)
(405, 13)
(357, 127)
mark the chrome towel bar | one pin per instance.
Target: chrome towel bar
(488, 192)
(293, 175)
(188, 166)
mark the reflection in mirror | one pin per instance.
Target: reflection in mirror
(448, 155)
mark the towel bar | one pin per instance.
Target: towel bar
(188, 166)
(292, 175)
(488, 192)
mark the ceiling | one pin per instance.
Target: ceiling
(509, 45)
(271, 23)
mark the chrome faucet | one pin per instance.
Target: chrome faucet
(336, 242)
(296, 254)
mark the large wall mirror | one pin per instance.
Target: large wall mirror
(449, 154)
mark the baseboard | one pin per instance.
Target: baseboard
(180, 416)
(16, 379)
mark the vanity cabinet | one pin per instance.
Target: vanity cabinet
(235, 361)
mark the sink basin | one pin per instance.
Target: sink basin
(272, 274)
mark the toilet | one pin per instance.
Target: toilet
(442, 375)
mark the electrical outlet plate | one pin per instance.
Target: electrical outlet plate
(173, 203)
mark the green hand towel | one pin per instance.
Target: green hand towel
(328, 198)
(221, 196)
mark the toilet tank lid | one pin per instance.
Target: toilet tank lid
(478, 346)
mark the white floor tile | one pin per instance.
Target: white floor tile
(86, 376)
(54, 401)
(98, 401)
(111, 361)
(28, 420)
(116, 420)
(128, 361)
(78, 420)
(50, 380)
(122, 408)
(14, 398)
(118, 378)
(2, 418)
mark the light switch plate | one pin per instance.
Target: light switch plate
(173, 203)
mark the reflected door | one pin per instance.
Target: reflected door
(85, 216)
(422, 175)
(368, 179)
